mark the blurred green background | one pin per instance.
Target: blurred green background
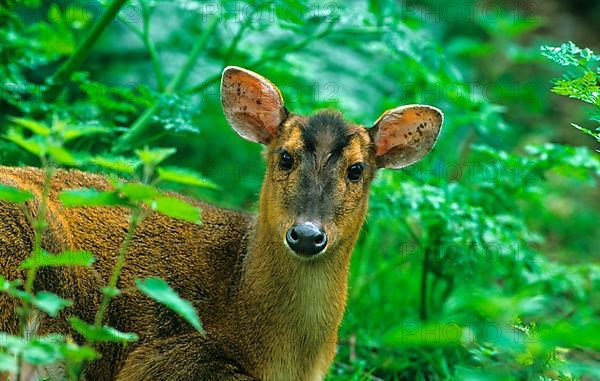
(480, 263)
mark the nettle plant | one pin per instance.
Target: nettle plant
(582, 81)
(49, 145)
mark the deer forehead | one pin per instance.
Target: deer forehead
(324, 138)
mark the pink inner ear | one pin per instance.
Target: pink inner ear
(402, 128)
(252, 105)
(393, 131)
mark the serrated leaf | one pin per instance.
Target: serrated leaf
(184, 176)
(584, 88)
(569, 54)
(32, 125)
(160, 291)
(62, 156)
(66, 258)
(116, 163)
(101, 334)
(45, 350)
(154, 156)
(30, 145)
(12, 194)
(174, 207)
(71, 132)
(90, 197)
(138, 191)
(77, 354)
(50, 303)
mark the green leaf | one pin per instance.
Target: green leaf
(91, 197)
(45, 350)
(6, 285)
(160, 291)
(137, 191)
(8, 363)
(32, 125)
(117, 163)
(71, 132)
(101, 334)
(12, 344)
(30, 145)
(62, 156)
(38, 353)
(12, 194)
(184, 176)
(584, 88)
(77, 354)
(569, 54)
(50, 303)
(174, 207)
(154, 156)
(66, 258)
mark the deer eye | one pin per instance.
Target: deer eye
(355, 172)
(285, 161)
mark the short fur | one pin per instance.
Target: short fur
(268, 313)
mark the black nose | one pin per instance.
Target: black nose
(306, 239)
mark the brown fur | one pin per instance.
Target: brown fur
(268, 313)
(259, 310)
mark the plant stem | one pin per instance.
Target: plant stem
(267, 58)
(424, 273)
(191, 60)
(204, 84)
(158, 71)
(134, 220)
(62, 75)
(141, 123)
(238, 36)
(144, 35)
(39, 226)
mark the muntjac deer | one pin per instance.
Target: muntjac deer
(269, 288)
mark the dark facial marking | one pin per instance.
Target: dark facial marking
(324, 136)
(326, 133)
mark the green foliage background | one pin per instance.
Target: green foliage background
(480, 263)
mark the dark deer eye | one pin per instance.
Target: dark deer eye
(285, 161)
(355, 172)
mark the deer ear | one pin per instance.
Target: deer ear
(252, 105)
(404, 135)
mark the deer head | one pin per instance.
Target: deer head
(320, 167)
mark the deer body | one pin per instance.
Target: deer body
(220, 280)
(270, 288)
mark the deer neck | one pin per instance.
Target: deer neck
(294, 306)
(298, 289)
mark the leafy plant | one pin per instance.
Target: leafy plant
(584, 84)
(476, 264)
